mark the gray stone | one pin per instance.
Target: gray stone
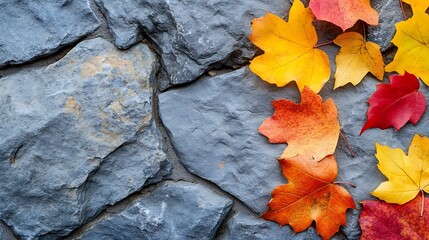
(31, 29)
(190, 36)
(389, 12)
(247, 227)
(178, 210)
(76, 137)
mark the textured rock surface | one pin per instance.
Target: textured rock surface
(390, 13)
(174, 211)
(247, 227)
(190, 36)
(30, 29)
(76, 137)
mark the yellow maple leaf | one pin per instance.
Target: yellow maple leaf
(356, 58)
(407, 175)
(290, 53)
(418, 5)
(412, 40)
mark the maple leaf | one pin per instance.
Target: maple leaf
(407, 175)
(356, 58)
(289, 50)
(418, 5)
(396, 103)
(412, 40)
(310, 195)
(311, 128)
(344, 13)
(381, 220)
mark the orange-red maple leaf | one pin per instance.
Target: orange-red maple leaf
(381, 220)
(344, 13)
(310, 195)
(311, 128)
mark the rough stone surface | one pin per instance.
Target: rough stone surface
(389, 12)
(190, 36)
(247, 227)
(31, 29)
(76, 137)
(174, 211)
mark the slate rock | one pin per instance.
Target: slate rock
(32, 29)
(389, 12)
(177, 210)
(247, 227)
(191, 37)
(76, 137)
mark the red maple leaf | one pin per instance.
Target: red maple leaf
(381, 220)
(396, 103)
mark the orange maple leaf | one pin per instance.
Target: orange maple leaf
(310, 195)
(344, 13)
(311, 128)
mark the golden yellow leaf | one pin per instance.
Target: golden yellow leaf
(290, 53)
(418, 5)
(407, 175)
(412, 40)
(356, 58)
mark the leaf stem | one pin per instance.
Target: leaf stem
(324, 44)
(347, 144)
(402, 9)
(364, 30)
(346, 183)
(423, 202)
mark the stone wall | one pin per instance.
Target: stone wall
(126, 119)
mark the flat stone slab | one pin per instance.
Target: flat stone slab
(177, 210)
(31, 29)
(190, 36)
(76, 137)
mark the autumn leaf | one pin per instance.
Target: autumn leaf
(412, 40)
(311, 128)
(344, 13)
(407, 175)
(381, 220)
(289, 50)
(418, 5)
(396, 103)
(310, 195)
(356, 58)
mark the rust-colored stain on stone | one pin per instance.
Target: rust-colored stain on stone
(72, 106)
